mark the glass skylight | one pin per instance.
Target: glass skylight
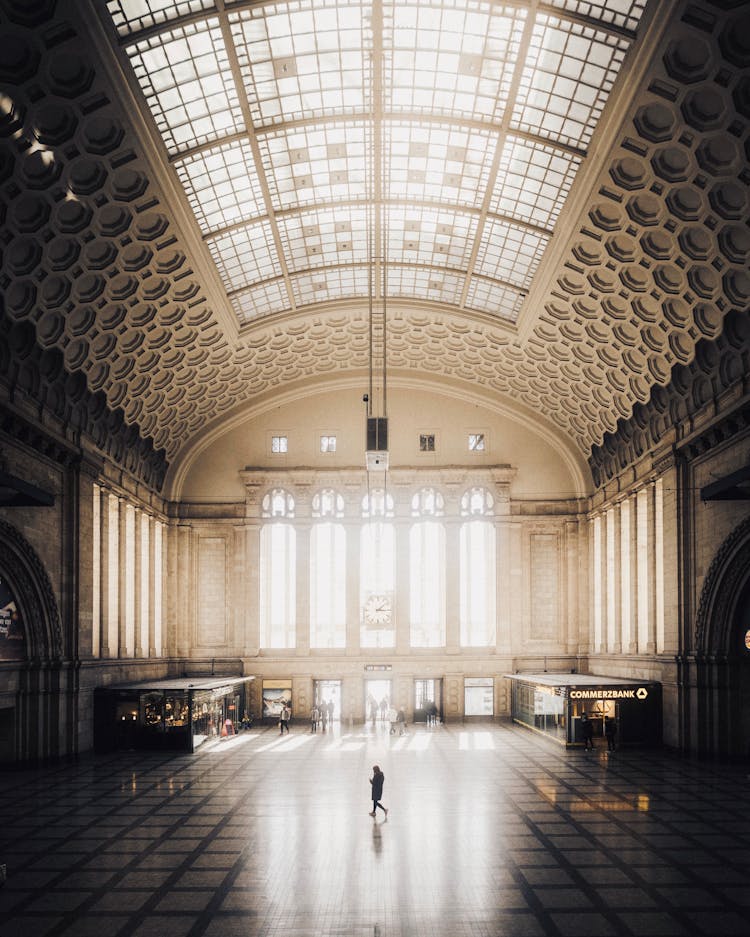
(459, 125)
(185, 75)
(222, 185)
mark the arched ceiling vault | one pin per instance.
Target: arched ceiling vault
(187, 188)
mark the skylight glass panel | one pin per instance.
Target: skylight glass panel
(260, 300)
(567, 80)
(533, 181)
(222, 185)
(509, 253)
(326, 237)
(452, 58)
(437, 162)
(131, 16)
(327, 285)
(430, 283)
(301, 60)
(623, 13)
(419, 235)
(185, 76)
(245, 255)
(324, 163)
(489, 296)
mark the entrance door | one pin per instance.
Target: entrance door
(377, 700)
(428, 694)
(326, 692)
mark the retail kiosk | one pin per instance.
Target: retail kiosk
(553, 704)
(178, 715)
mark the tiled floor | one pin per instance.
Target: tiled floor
(492, 831)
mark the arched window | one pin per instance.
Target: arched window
(477, 570)
(278, 570)
(427, 571)
(377, 571)
(327, 572)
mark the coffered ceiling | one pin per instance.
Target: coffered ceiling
(198, 196)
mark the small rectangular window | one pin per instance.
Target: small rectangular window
(426, 442)
(327, 443)
(279, 444)
(476, 442)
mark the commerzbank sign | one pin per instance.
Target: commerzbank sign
(637, 693)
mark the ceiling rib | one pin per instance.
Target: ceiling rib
(523, 52)
(253, 142)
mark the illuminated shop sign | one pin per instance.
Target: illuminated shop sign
(639, 693)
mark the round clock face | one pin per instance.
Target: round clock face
(378, 610)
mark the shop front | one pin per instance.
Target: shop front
(558, 705)
(175, 715)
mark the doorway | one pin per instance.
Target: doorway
(377, 700)
(328, 693)
(428, 700)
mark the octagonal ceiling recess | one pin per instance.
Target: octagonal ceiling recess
(481, 118)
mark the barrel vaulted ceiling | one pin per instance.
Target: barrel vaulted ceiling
(197, 196)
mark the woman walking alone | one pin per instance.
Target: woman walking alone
(376, 782)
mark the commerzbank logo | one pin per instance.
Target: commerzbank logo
(610, 693)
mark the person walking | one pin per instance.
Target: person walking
(610, 732)
(401, 721)
(286, 715)
(314, 719)
(376, 782)
(587, 730)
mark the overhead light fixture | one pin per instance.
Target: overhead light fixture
(376, 440)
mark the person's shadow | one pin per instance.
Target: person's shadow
(377, 839)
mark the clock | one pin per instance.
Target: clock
(378, 609)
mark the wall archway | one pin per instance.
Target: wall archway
(30, 700)
(722, 661)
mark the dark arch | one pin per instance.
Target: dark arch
(720, 683)
(32, 589)
(723, 585)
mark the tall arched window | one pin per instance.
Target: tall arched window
(477, 570)
(278, 571)
(327, 572)
(427, 570)
(377, 571)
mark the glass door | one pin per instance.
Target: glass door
(428, 701)
(327, 693)
(377, 700)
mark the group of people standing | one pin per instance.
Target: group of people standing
(587, 731)
(321, 714)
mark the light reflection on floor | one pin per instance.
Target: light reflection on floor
(492, 831)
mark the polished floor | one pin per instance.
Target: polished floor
(491, 831)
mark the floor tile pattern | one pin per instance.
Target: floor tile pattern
(492, 831)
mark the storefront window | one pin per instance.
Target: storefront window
(479, 696)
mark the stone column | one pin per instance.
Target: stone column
(122, 604)
(86, 554)
(107, 566)
(504, 587)
(613, 597)
(138, 573)
(646, 564)
(627, 566)
(153, 572)
(252, 589)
